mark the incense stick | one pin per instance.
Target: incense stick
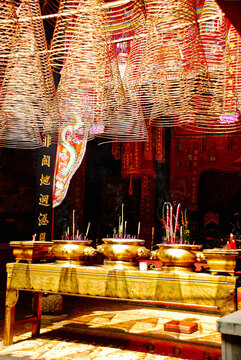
(73, 223)
(88, 227)
(138, 229)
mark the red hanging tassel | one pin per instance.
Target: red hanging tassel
(130, 187)
(116, 150)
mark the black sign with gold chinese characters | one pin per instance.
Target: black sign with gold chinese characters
(45, 171)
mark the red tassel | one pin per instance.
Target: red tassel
(130, 187)
(116, 150)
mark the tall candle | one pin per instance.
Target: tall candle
(232, 242)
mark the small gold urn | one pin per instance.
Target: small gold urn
(177, 257)
(73, 252)
(32, 251)
(123, 253)
(222, 261)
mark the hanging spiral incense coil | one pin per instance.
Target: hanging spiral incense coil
(89, 71)
(214, 35)
(62, 33)
(126, 122)
(123, 23)
(234, 42)
(7, 29)
(165, 62)
(124, 19)
(230, 116)
(186, 68)
(27, 101)
(50, 7)
(160, 95)
(90, 91)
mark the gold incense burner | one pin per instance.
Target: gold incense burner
(73, 252)
(32, 251)
(221, 261)
(177, 257)
(123, 253)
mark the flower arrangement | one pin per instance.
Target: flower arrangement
(172, 224)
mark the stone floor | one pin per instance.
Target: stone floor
(90, 329)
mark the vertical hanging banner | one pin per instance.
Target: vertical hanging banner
(69, 155)
(45, 170)
(160, 144)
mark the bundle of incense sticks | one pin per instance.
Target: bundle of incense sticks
(170, 225)
(122, 228)
(127, 236)
(75, 236)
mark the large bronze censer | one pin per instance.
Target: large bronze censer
(178, 257)
(123, 253)
(73, 252)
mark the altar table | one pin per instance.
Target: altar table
(199, 292)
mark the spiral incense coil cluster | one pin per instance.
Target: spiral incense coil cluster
(27, 101)
(119, 62)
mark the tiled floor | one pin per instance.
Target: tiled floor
(90, 329)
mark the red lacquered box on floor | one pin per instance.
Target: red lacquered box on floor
(187, 327)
